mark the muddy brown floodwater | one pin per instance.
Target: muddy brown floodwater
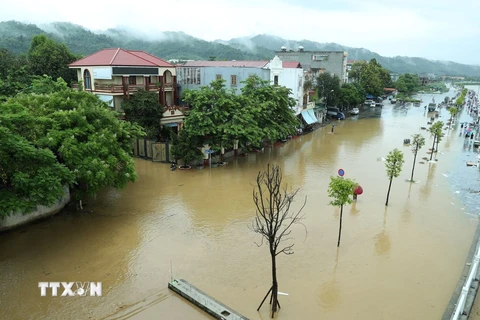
(400, 262)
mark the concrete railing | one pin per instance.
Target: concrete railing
(460, 307)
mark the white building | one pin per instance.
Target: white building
(289, 74)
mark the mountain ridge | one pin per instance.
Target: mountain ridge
(16, 36)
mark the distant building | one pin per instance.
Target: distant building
(194, 74)
(115, 74)
(348, 69)
(394, 77)
(318, 62)
(426, 78)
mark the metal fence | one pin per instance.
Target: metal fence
(153, 150)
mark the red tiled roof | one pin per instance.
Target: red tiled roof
(291, 64)
(248, 64)
(121, 57)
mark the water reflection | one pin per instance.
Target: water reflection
(330, 292)
(382, 239)
(426, 189)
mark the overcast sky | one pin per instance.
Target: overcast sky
(434, 29)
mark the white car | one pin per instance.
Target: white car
(354, 111)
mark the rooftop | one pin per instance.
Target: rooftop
(245, 64)
(291, 64)
(121, 57)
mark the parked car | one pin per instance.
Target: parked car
(332, 111)
(335, 113)
(354, 111)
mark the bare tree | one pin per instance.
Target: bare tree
(273, 221)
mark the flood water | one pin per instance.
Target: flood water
(400, 262)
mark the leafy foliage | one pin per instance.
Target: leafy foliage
(351, 95)
(46, 56)
(407, 83)
(46, 85)
(328, 88)
(185, 147)
(453, 112)
(29, 175)
(341, 190)
(271, 107)
(72, 137)
(220, 116)
(418, 141)
(144, 109)
(371, 75)
(394, 163)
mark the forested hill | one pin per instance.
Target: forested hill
(16, 37)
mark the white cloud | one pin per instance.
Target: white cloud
(434, 29)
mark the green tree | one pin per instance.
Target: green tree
(85, 136)
(393, 163)
(417, 143)
(274, 220)
(436, 130)
(271, 106)
(29, 175)
(209, 117)
(341, 190)
(144, 109)
(407, 83)
(46, 85)
(371, 75)
(350, 95)
(46, 56)
(453, 112)
(357, 70)
(185, 147)
(328, 88)
(14, 75)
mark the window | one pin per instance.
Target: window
(219, 77)
(233, 80)
(319, 57)
(275, 80)
(132, 80)
(188, 76)
(87, 80)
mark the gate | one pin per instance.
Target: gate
(150, 149)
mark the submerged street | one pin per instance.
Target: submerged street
(397, 262)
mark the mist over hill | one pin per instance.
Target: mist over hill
(16, 37)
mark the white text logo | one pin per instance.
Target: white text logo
(71, 289)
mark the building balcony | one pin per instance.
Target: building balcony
(118, 88)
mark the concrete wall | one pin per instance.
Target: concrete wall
(291, 78)
(209, 74)
(18, 219)
(335, 61)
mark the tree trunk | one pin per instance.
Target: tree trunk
(274, 297)
(414, 159)
(388, 193)
(433, 146)
(340, 228)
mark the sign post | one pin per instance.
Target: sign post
(209, 152)
(341, 172)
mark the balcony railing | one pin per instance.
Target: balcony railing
(118, 88)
